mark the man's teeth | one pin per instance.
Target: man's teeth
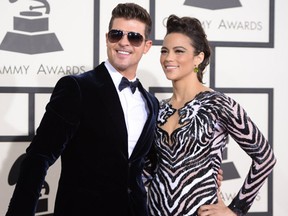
(123, 52)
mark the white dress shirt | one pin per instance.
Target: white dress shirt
(134, 107)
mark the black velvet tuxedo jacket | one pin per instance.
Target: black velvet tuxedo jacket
(84, 124)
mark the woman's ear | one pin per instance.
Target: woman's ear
(200, 57)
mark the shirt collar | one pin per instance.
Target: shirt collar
(115, 75)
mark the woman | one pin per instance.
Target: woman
(192, 132)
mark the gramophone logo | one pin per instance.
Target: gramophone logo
(32, 36)
(212, 4)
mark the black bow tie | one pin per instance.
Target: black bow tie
(125, 83)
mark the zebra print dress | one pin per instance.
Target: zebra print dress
(186, 175)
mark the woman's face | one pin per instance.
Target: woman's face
(177, 57)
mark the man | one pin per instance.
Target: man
(101, 131)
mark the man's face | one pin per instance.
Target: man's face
(123, 55)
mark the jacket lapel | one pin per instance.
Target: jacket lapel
(148, 129)
(110, 100)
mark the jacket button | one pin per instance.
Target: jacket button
(129, 190)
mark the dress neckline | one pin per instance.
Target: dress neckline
(189, 101)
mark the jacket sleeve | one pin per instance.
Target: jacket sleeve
(53, 134)
(150, 167)
(151, 159)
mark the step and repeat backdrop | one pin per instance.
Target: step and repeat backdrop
(43, 40)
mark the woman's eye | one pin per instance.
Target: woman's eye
(179, 51)
(163, 51)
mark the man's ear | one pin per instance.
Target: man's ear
(148, 45)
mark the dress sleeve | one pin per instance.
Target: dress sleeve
(244, 131)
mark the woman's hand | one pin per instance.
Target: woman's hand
(219, 209)
(219, 177)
